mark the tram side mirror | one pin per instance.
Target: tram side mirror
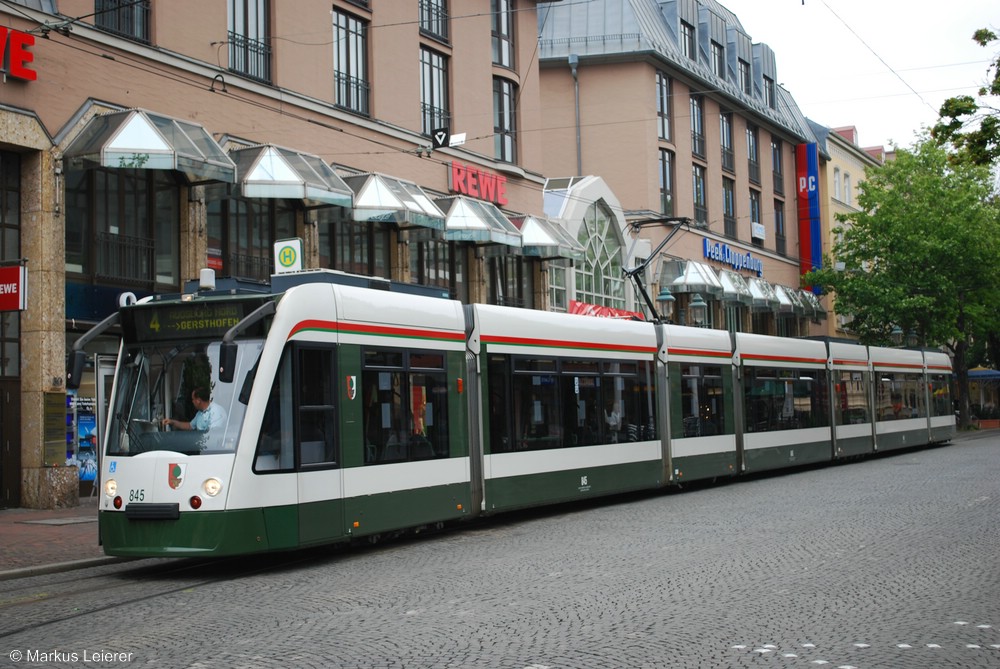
(75, 363)
(227, 362)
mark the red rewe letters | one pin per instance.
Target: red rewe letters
(14, 53)
(473, 182)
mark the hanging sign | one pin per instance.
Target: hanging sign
(13, 288)
(288, 255)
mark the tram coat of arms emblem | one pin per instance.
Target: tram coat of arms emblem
(175, 475)
(352, 387)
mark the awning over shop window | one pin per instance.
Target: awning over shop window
(543, 238)
(379, 198)
(810, 301)
(764, 297)
(270, 171)
(735, 288)
(689, 276)
(789, 300)
(468, 220)
(136, 138)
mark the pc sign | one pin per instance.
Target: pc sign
(288, 255)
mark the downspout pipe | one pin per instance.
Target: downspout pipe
(574, 61)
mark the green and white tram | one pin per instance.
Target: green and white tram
(341, 411)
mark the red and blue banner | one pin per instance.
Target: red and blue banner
(810, 230)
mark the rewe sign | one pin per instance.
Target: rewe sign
(474, 182)
(13, 288)
(14, 54)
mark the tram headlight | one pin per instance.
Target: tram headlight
(110, 487)
(212, 486)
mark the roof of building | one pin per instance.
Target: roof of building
(632, 30)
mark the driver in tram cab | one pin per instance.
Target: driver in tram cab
(210, 414)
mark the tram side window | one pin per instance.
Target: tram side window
(498, 378)
(405, 405)
(317, 427)
(852, 398)
(940, 395)
(785, 399)
(585, 418)
(629, 389)
(702, 402)
(900, 396)
(537, 420)
(276, 444)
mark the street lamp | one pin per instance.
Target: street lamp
(666, 301)
(699, 310)
(896, 335)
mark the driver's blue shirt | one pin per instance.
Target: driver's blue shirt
(212, 417)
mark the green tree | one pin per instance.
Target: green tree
(973, 126)
(921, 254)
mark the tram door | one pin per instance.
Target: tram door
(320, 478)
(10, 443)
(104, 366)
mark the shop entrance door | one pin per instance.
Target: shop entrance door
(10, 443)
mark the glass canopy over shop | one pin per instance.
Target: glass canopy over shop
(469, 220)
(140, 139)
(268, 171)
(544, 239)
(380, 198)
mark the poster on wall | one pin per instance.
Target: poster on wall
(81, 435)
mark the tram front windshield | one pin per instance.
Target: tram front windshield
(161, 381)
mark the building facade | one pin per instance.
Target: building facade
(138, 146)
(682, 114)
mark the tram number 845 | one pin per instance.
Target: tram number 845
(136, 495)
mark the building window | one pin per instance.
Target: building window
(125, 18)
(756, 228)
(753, 155)
(437, 262)
(729, 207)
(358, 247)
(599, 277)
(688, 45)
(698, 190)
(744, 72)
(836, 184)
(663, 88)
(726, 139)
(249, 47)
(434, 19)
(558, 288)
(350, 58)
(242, 232)
(779, 227)
(769, 94)
(666, 182)
(122, 227)
(502, 33)
(697, 126)
(777, 166)
(718, 60)
(504, 120)
(433, 91)
(10, 250)
(847, 188)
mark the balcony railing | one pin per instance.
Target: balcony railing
(779, 244)
(351, 93)
(729, 221)
(125, 260)
(433, 118)
(250, 267)
(779, 182)
(125, 18)
(698, 144)
(728, 160)
(701, 214)
(249, 57)
(753, 167)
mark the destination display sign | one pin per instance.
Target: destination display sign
(175, 321)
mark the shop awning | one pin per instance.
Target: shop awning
(689, 276)
(468, 220)
(764, 298)
(810, 300)
(270, 171)
(543, 238)
(136, 138)
(735, 288)
(380, 198)
(789, 300)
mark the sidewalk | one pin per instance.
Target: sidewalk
(44, 541)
